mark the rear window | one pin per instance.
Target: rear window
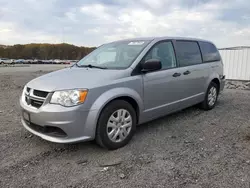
(188, 53)
(209, 52)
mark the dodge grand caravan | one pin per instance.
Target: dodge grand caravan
(120, 85)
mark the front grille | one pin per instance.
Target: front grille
(34, 97)
(36, 103)
(28, 89)
(40, 93)
(48, 130)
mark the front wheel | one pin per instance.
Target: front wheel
(116, 125)
(211, 97)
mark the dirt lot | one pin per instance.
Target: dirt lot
(191, 148)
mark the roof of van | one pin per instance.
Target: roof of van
(164, 38)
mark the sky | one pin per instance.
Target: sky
(94, 22)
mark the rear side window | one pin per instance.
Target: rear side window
(188, 53)
(209, 52)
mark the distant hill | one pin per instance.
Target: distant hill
(3, 46)
(44, 51)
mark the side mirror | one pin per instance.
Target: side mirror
(151, 65)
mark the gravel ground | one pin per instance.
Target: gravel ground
(232, 84)
(30, 68)
(191, 148)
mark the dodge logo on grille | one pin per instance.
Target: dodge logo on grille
(28, 100)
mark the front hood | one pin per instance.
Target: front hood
(70, 78)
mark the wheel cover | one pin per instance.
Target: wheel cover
(119, 125)
(212, 96)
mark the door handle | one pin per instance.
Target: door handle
(186, 72)
(176, 74)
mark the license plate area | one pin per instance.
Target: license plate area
(26, 116)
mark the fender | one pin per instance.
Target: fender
(104, 99)
(216, 71)
(114, 93)
(211, 77)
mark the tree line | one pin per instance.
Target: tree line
(44, 51)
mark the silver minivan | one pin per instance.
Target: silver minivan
(120, 85)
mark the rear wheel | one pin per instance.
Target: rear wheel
(116, 125)
(211, 97)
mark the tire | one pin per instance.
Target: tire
(106, 125)
(207, 104)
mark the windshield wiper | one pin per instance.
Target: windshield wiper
(91, 66)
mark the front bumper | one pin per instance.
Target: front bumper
(77, 124)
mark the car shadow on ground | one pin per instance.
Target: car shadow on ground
(164, 125)
(141, 130)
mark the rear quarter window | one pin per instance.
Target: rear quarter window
(209, 52)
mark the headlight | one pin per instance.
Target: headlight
(69, 97)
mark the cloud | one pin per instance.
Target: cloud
(93, 22)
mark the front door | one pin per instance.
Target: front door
(162, 88)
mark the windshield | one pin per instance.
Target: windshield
(116, 55)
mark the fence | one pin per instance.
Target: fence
(236, 63)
